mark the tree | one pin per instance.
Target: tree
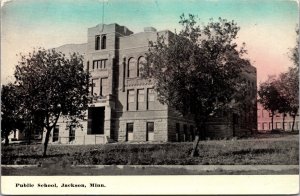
(289, 89)
(196, 71)
(52, 86)
(270, 97)
(10, 116)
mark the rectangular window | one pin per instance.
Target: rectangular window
(141, 95)
(264, 126)
(131, 105)
(99, 64)
(129, 131)
(72, 133)
(130, 96)
(104, 87)
(151, 94)
(184, 133)
(150, 131)
(150, 127)
(55, 133)
(96, 87)
(278, 125)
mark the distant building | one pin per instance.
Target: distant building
(125, 106)
(264, 122)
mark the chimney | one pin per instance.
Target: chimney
(149, 29)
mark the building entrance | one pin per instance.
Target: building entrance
(96, 120)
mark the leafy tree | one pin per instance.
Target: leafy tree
(196, 71)
(10, 116)
(52, 86)
(270, 97)
(289, 89)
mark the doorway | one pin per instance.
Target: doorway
(96, 118)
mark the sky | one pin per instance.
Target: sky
(267, 26)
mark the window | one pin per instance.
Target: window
(270, 126)
(141, 63)
(150, 94)
(95, 87)
(72, 133)
(55, 133)
(131, 105)
(278, 125)
(184, 133)
(104, 87)
(99, 64)
(131, 68)
(130, 127)
(130, 96)
(264, 126)
(103, 42)
(140, 99)
(88, 65)
(97, 42)
(141, 95)
(177, 132)
(129, 131)
(150, 131)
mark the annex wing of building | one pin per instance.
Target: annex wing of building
(125, 106)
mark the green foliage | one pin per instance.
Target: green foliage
(198, 67)
(10, 116)
(269, 95)
(52, 85)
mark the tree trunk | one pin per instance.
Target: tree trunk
(46, 141)
(272, 120)
(29, 134)
(294, 118)
(283, 119)
(195, 146)
(197, 139)
(6, 133)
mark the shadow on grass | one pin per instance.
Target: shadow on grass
(252, 151)
(35, 156)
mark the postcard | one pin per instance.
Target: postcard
(114, 97)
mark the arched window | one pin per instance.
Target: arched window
(131, 68)
(97, 42)
(103, 42)
(140, 67)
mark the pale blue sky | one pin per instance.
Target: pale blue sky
(267, 26)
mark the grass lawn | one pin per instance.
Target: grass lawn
(276, 149)
(113, 170)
